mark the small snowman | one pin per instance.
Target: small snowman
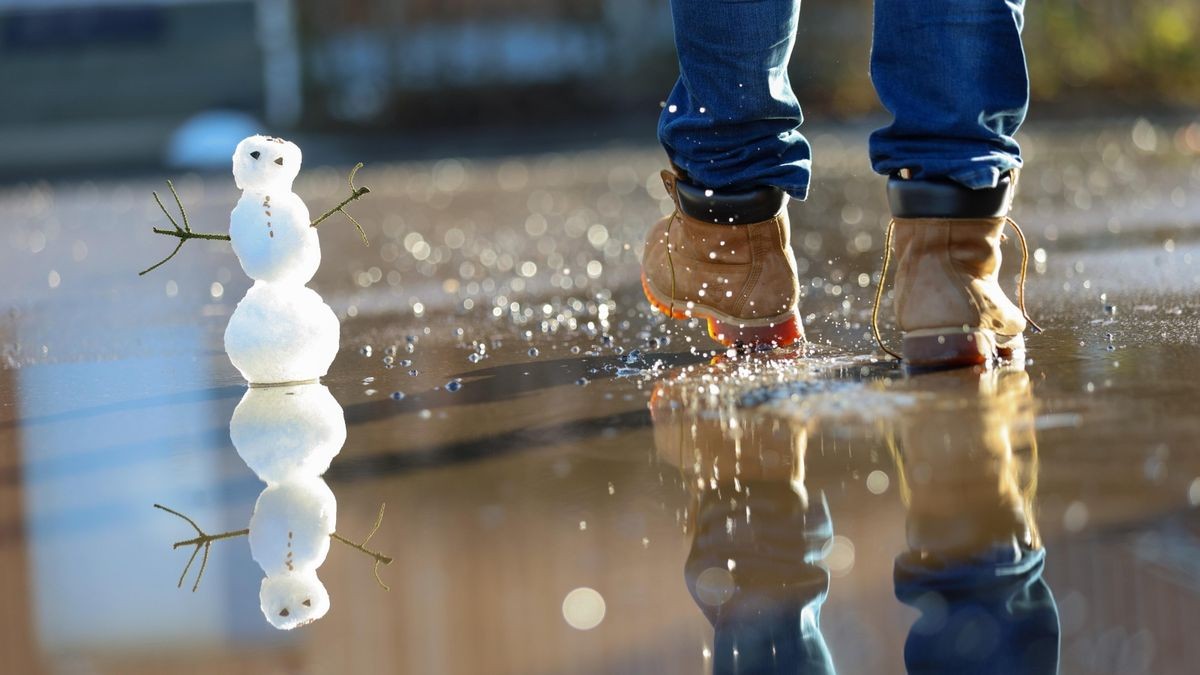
(282, 331)
(288, 435)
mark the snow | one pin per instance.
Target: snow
(283, 597)
(290, 432)
(282, 333)
(291, 524)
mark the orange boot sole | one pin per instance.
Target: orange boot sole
(780, 331)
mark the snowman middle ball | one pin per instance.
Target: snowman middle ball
(291, 525)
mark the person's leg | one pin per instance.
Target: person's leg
(952, 73)
(731, 122)
(730, 132)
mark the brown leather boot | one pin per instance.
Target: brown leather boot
(726, 258)
(948, 299)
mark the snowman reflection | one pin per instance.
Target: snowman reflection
(288, 435)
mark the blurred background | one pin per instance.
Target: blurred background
(512, 159)
(118, 83)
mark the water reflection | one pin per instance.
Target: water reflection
(762, 540)
(974, 566)
(287, 435)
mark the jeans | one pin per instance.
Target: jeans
(993, 615)
(951, 72)
(770, 621)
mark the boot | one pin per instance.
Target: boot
(726, 258)
(948, 300)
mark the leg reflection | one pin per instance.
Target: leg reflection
(757, 536)
(974, 565)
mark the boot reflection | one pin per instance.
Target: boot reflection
(968, 465)
(757, 536)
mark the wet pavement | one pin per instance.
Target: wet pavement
(573, 484)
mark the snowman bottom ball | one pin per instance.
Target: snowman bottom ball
(282, 333)
(287, 432)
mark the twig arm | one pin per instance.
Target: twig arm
(380, 559)
(355, 194)
(182, 233)
(202, 541)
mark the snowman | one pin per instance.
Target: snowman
(288, 435)
(282, 331)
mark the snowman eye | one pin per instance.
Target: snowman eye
(279, 161)
(307, 603)
(284, 612)
(256, 154)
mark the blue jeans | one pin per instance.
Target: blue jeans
(951, 72)
(993, 615)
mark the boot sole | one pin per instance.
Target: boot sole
(955, 347)
(780, 331)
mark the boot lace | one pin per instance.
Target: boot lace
(887, 258)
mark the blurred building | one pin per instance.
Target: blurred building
(109, 81)
(101, 81)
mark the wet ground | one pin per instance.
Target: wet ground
(573, 484)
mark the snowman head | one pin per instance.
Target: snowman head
(292, 600)
(265, 163)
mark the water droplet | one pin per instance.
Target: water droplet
(583, 608)
(533, 351)
(877, 482)
(453, 385)
(583, 382)
(1075, 518)
(366, 350)
(397, 395)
